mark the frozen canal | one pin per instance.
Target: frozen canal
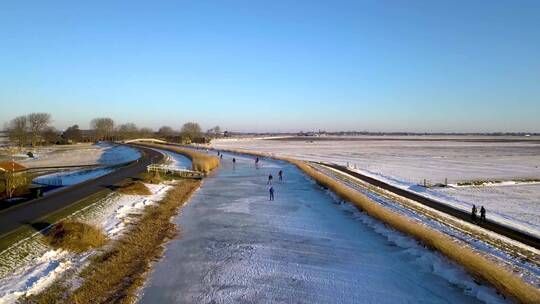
(238, 247)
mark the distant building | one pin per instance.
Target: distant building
(12, 177)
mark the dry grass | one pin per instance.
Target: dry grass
(75, 236)
(151, 177)
(115, 275)
(478, 265)
(133, 188)
(200, 161)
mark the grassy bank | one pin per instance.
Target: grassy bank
(133, 188)
(200, 161)
(478, 265)
(28, 230)
(114, 275)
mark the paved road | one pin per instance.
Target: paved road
(490, 225)
(236, 246)
(31, 211)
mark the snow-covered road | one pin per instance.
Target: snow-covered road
(304, 247)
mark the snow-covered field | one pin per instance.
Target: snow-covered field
(31, 265)
(406, 163)
(78, 155)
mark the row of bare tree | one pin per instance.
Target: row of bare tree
(29, 129)
(35, 129)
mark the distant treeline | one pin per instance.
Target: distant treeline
(35, 129)
(367, 133)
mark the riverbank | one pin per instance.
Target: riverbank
(114, 275)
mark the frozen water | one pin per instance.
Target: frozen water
(305, 247)
(71, 177)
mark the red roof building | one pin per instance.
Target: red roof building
(11, 166)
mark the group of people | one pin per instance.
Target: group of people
(474, 215)
(270, 176)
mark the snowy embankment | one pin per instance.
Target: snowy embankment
(175, 160)
(79, 155)
(406, 163)
(511, 207)
(112, 155)
(31, 265)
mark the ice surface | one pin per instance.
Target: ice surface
(304, 247)
(71, 177)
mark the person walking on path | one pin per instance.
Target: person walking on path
(271, 190)
(221, 156)
(270, 178)
(280, 174)
(473, 213)
(257, 161)
(482, 214)
(234, 160)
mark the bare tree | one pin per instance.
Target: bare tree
(37, 124)
(73, 134)
(50, 135)
(128, 130)
(165, 131)
(146, 132)
(104, 127)
(214, 132)
(191, 130)
(17, 129)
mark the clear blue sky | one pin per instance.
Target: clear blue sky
(275, 65)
